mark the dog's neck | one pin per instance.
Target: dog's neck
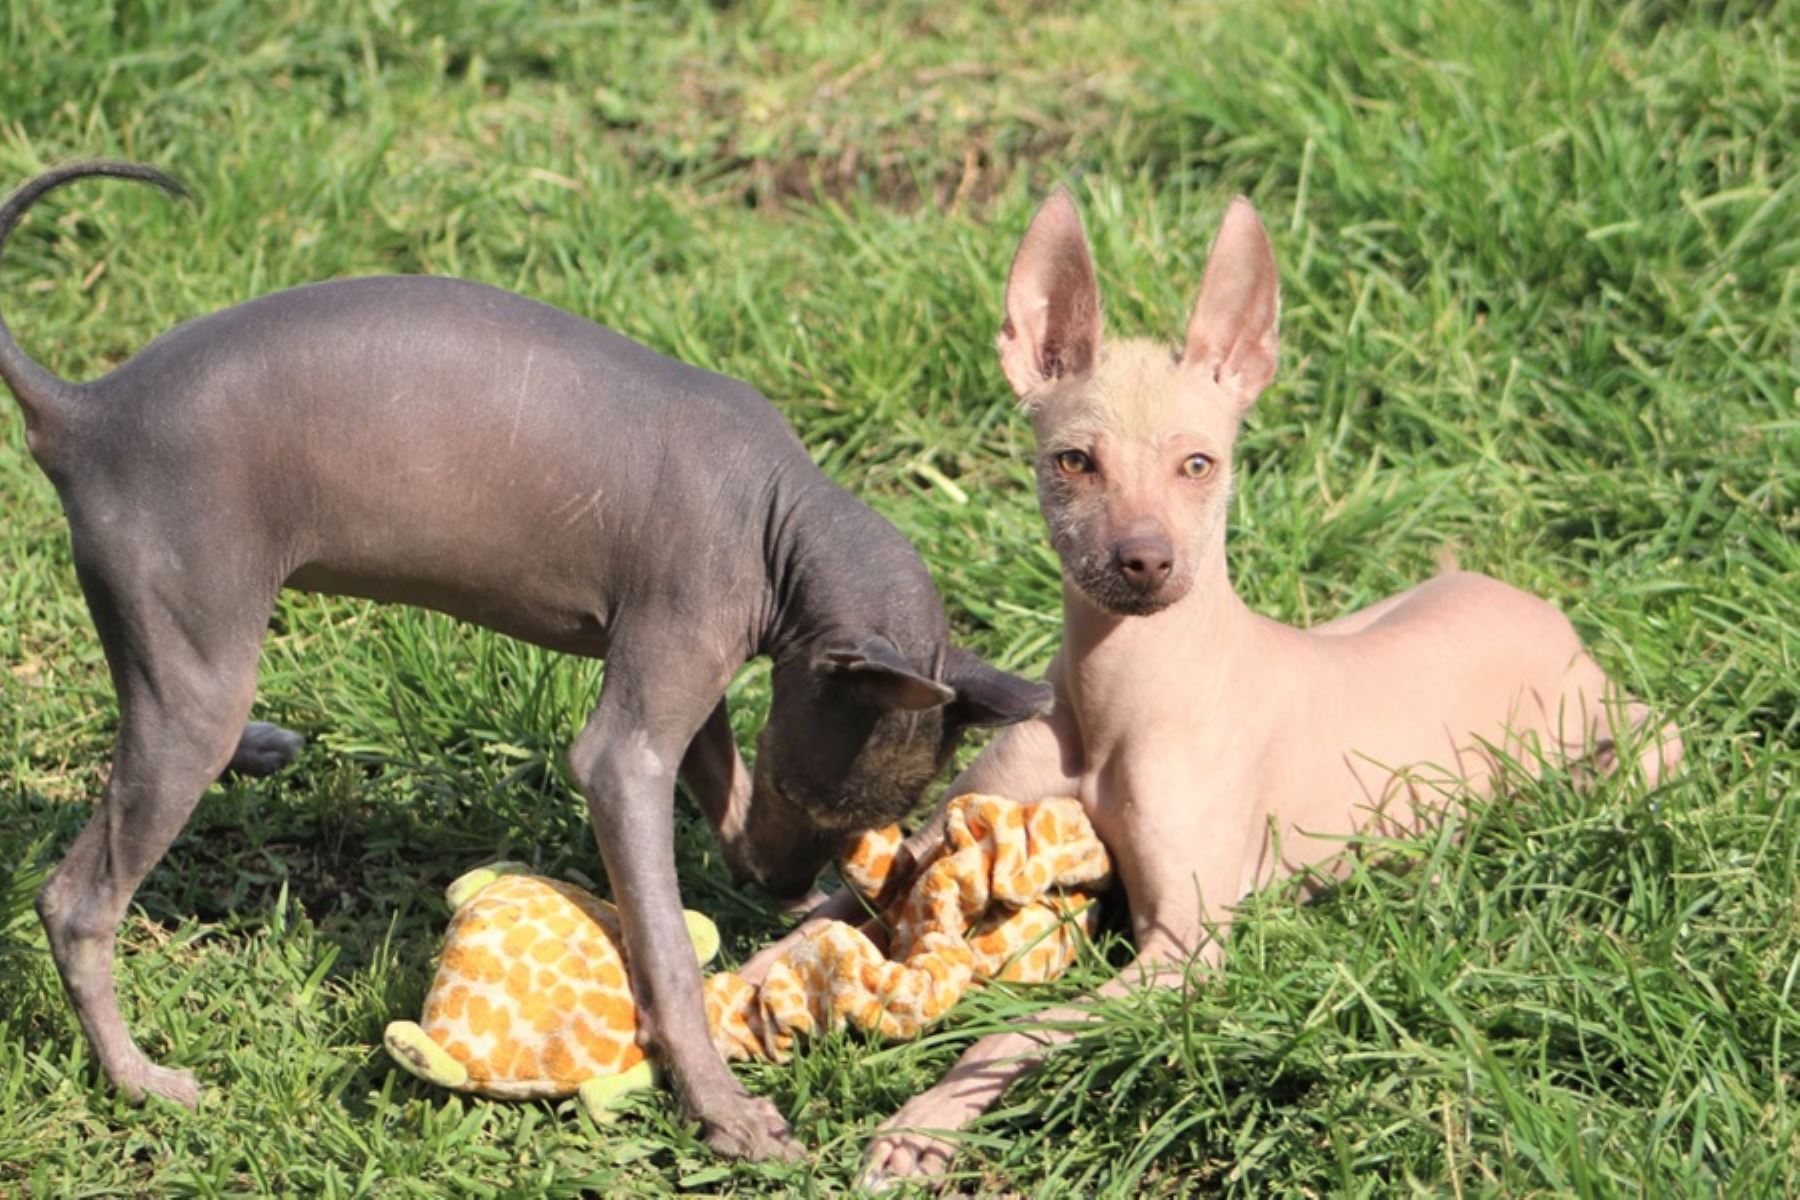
(1127, 675)
(836, 565)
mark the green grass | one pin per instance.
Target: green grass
(1540, 267)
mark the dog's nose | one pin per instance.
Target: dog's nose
(1145, 561)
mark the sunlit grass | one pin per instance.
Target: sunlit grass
(1539, 268)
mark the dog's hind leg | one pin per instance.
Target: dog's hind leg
(182, 642)
(1599, 722)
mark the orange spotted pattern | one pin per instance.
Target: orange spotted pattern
(530, 994)
(1006, 897)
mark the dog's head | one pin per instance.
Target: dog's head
(856, 733)
(1134, 439)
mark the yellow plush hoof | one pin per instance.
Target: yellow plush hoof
(601, 1096)
(408, 1045)
(466, 885)
(704, 934)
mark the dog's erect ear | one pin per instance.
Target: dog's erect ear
(988, 696)
(875, 666)
(1231, 335)
(1052, 324)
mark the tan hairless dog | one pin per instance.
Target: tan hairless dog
(1214, 749)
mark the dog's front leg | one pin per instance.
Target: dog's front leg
(1180, 888)
(915, 1142)
(714, 772)
(626, 759)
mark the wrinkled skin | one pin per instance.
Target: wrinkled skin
(453, 446)
(1216, 750)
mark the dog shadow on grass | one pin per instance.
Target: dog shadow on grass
(350, 853)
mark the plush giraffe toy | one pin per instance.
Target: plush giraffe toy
(1003, 898)
(530, 997)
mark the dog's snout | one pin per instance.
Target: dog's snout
(1145, 561)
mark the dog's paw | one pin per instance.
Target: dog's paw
(898, 1158)
(751, 1128)
(264, 749)
(907, 1147)
(165, 1083)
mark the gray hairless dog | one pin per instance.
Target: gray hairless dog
(450, 445)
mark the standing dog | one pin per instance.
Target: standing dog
(449, 445)
(1214, 749)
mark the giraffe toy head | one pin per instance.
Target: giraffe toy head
(1006, 896)
(531, 997)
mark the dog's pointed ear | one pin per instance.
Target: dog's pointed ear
(1052, 326)
(874, 666)
(1231, 335)
(989, 696)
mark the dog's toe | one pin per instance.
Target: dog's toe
(164, 1083)
(264, 749)
(895, 1159)
(752, 1130)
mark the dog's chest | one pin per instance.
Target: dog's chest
(1168, 811)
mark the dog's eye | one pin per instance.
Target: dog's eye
(1074, 462)
(1196, 466)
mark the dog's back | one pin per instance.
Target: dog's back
(465, 449)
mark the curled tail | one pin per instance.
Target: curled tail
(40, 393)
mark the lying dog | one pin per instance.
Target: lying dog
(1216, 750)
(449, 445)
